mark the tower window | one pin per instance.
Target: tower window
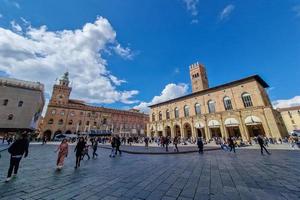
(60, 122)
(176, 112)
(50, 121)
(167, 114)
(186, 111)
(159, 116)
(197, 109)
(10, 117)
(62, 113)
(5, 102)
(153, 117)
(20, 104)
(53, 112)
(247, 100)
(211, 106)
(70, 122)
(227, 103)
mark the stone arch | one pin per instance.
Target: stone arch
(47, 134)
(254, 126)
(68, 132)
(232, 127)
(177, 130)
(187, 130)
(57, 132)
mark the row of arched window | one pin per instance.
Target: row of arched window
(70, 122)
(211, 105)
(5, 103)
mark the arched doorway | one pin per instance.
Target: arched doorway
(47, 134)
(68, 132)
(214, 128)
(199, 126)
(168, 131)
(232, 127)
(57, 133)
(254, 126)
(187, 131)
(177, 131)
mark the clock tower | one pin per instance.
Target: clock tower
(61, 91)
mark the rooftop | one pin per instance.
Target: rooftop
(288, 108)
(21, 83)
(254, 77)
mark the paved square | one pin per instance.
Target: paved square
(214, 175)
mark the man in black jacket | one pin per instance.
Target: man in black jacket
(17, 150)
(118, 144)
(261, 143)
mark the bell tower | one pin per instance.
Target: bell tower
(198, 77)
(61, 91)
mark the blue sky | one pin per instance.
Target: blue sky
(157, 40)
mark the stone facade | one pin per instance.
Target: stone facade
(21, 103)
(65, 115)
(291, 117)
(240, 108)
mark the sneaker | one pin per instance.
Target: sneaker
(7, 179)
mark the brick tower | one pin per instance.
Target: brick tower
(198, 77)
(61, 92)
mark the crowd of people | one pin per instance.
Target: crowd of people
(20, 143)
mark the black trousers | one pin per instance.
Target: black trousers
(118, 150)
(262, 148)
(13, 166)
(94, 152)
(232, 147)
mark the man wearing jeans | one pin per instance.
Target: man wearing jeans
(17, 150)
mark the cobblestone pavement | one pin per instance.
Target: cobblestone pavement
(214, 175)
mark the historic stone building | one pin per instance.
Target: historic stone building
(65, 115)
(240, 108)
(21, 103)
(291, 117)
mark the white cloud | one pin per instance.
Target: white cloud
(226, 11)
(191, 6)
(38, 54)
(16, 4)
(123, 52)
(16, 27)
(296, 9)
(1, 16)
(170, 91)
(194, 21)
(295, 101)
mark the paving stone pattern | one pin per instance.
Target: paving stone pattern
(214, 175)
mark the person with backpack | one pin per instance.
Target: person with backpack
(17, 150)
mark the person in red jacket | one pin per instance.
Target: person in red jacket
(17, 150)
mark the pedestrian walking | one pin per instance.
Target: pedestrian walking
(146, 140)
(175, 142)
(79, 151)
(261, 143)
(17, 150)
(200, 145)
(231, 144)
(63, 150)
(113, 147)
(86, 151)
(167, 142)
(118, 144)
(95, 147)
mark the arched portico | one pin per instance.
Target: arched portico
(47, 134)
(254, 126)
(200, 129)
(177, 131)
(187, 129)
(168, 131)
(214, 129)
(68, 132)
(232, 127)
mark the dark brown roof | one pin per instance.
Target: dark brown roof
(254, 77)
(288, 108)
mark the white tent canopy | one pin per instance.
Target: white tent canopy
(199, 125)
(213, 123)
(252, 120)
(231, 122)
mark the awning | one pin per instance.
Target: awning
(213, 124)
(100, 133)
(231, 122)
(252, 120)
(199, 125)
